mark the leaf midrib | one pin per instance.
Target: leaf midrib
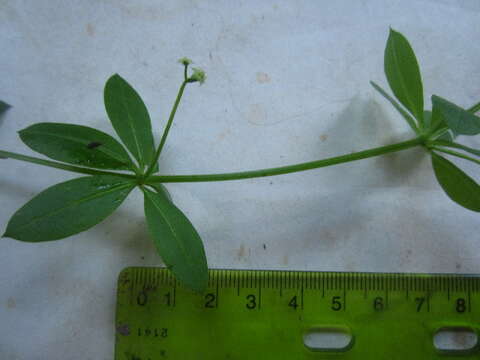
(130, 124)
(101, 149)
(402, 83)
(180, 243)
(75, 203)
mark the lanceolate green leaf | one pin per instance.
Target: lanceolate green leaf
(130, 118)
(397, 106)
(403, 74)
(3, 107)
(68, 208)
(76, 144)
(462, 122)
(177, 241)
(459, 186)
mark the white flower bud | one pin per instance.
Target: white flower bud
(197, 76)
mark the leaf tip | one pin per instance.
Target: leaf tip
(4, 106)
(392, 30)
(114, 77)
(7, 234)
(202, 282)
(199, 287)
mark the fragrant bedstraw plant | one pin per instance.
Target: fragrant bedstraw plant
(76, 205)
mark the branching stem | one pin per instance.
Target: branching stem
(167, 128)
(229, 176)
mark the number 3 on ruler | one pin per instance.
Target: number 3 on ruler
(251, 302)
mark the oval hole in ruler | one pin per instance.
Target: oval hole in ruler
(328, 339)
(455, 339)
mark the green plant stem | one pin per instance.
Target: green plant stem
(290, 168)
(167, 128)
(474, 108)
(455, 153)
(57, 165)
(235, 175)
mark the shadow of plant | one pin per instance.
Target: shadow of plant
(3, 108)
(363, 124)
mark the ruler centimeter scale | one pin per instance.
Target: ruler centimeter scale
(268, 315)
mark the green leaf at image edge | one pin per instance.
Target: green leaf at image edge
(403, 74)
(76, 144)
(68, 208)
(460, 121)
(176, 240)
(130, 119)
(457, 185)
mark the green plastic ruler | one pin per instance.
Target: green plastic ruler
(275, 315)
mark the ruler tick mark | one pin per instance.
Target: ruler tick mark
(323, 286)
(302, 298)
(259, 298)
(469, 301)
(386, 298)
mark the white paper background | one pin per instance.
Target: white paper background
(287, 82)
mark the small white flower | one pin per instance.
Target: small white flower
(185, 61)
(197, 76)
